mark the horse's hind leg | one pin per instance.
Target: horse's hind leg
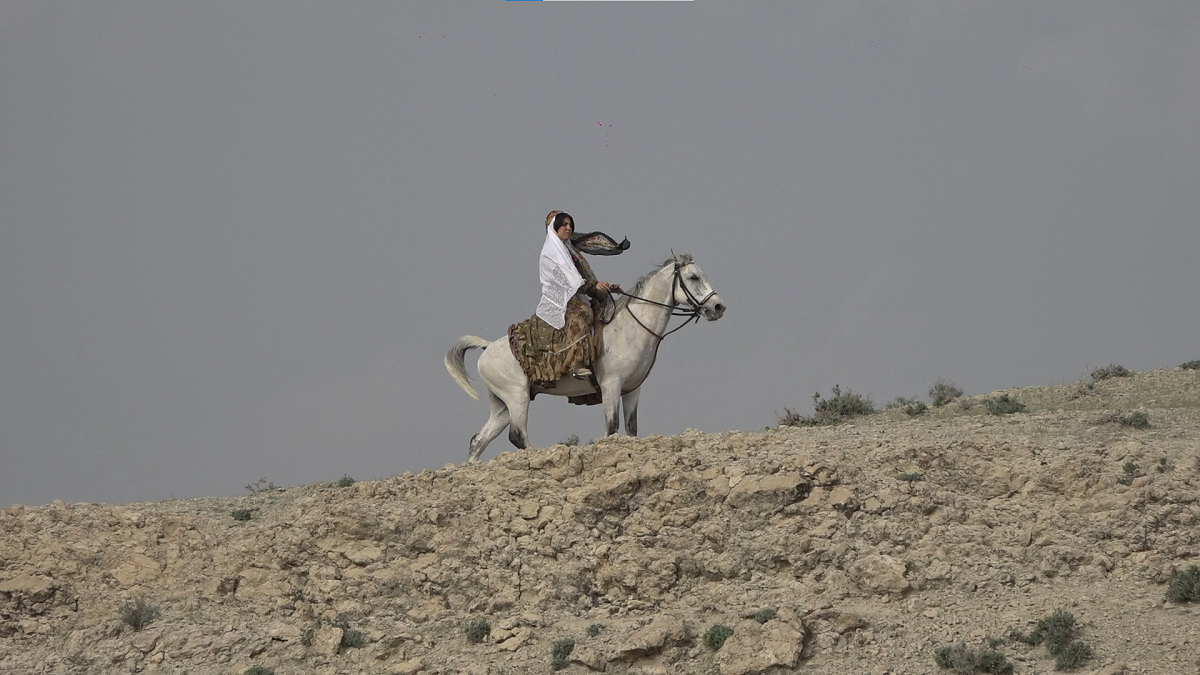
(517, 428)
(491, 429)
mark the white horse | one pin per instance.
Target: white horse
(631, 339)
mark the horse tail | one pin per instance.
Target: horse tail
(454, 361)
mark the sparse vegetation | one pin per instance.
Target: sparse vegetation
(1058, 632)
(242, 514)
(573, 439)
(1003, 405)
(1110, 371)
(258, 670)
(1164, 465)
(838, 407)
(1129, 471)
(345, 481)
(594, 629)
(943, 392)
(138, 614)
(476, 630)
(965, 661)
(916, 409)
(911, 478)
(1083, 389)
(965, 404)
(1185, 586)
(261, 485)
(764, 615)
(560, 653)
(901, 402)
(716, 635)
(1136, 419)
(351, 638)
(1190, 365)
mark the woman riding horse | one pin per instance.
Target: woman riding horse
(560, 338)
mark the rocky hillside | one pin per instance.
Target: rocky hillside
(857, 548)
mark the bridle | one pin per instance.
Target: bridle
(693, 314)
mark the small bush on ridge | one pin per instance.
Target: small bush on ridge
(573, 439)
(351, 638)
(943, 392)
(242, 514)
(716, 635)
(138, 614)
(1185, 586)
(560, 653)
(476, 630)
(1058, 632)
(1129, 472)
(1190, 365)
(345, 481)
(1110, 371)
(915, 409)
(1004, 405)
(901, 402)
(966, 661)
(1136, 419)
(764, 615)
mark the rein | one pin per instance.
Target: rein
(693, 315)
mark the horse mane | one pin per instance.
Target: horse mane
(683, 258)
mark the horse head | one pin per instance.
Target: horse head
(691, 288)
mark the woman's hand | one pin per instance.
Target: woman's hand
(604, 287)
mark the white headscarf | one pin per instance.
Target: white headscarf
(560, 279)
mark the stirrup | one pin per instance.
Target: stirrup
(582, 373)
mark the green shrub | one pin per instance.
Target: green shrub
(911, 477)
(991, 661)
(1164, 465)
(1072, 655)
(261, 485)
(1110, 371)
(842, 405)
(345, 481)
(138, 614)
(351, 638)
(242, 514)
(716, 635)
(1129, 472)
(838, 407)
(477, 630)
(560, 653)
(594, 629)
(1003, 405)
(258, 670)
(1058, 632)
(966, 661)
(1190, 365)
(943, 392)
(901, 402)
(764, 615)
(1185, 586)
(1136, 419)
(916, 409)
(573, 439)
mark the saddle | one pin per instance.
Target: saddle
(531, 344)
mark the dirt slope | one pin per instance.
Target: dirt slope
(649, 542)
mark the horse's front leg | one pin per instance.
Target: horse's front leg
(629, 403)
(610, 391)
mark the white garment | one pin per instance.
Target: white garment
(560, 280)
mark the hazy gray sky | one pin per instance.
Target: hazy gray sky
(236, 239)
